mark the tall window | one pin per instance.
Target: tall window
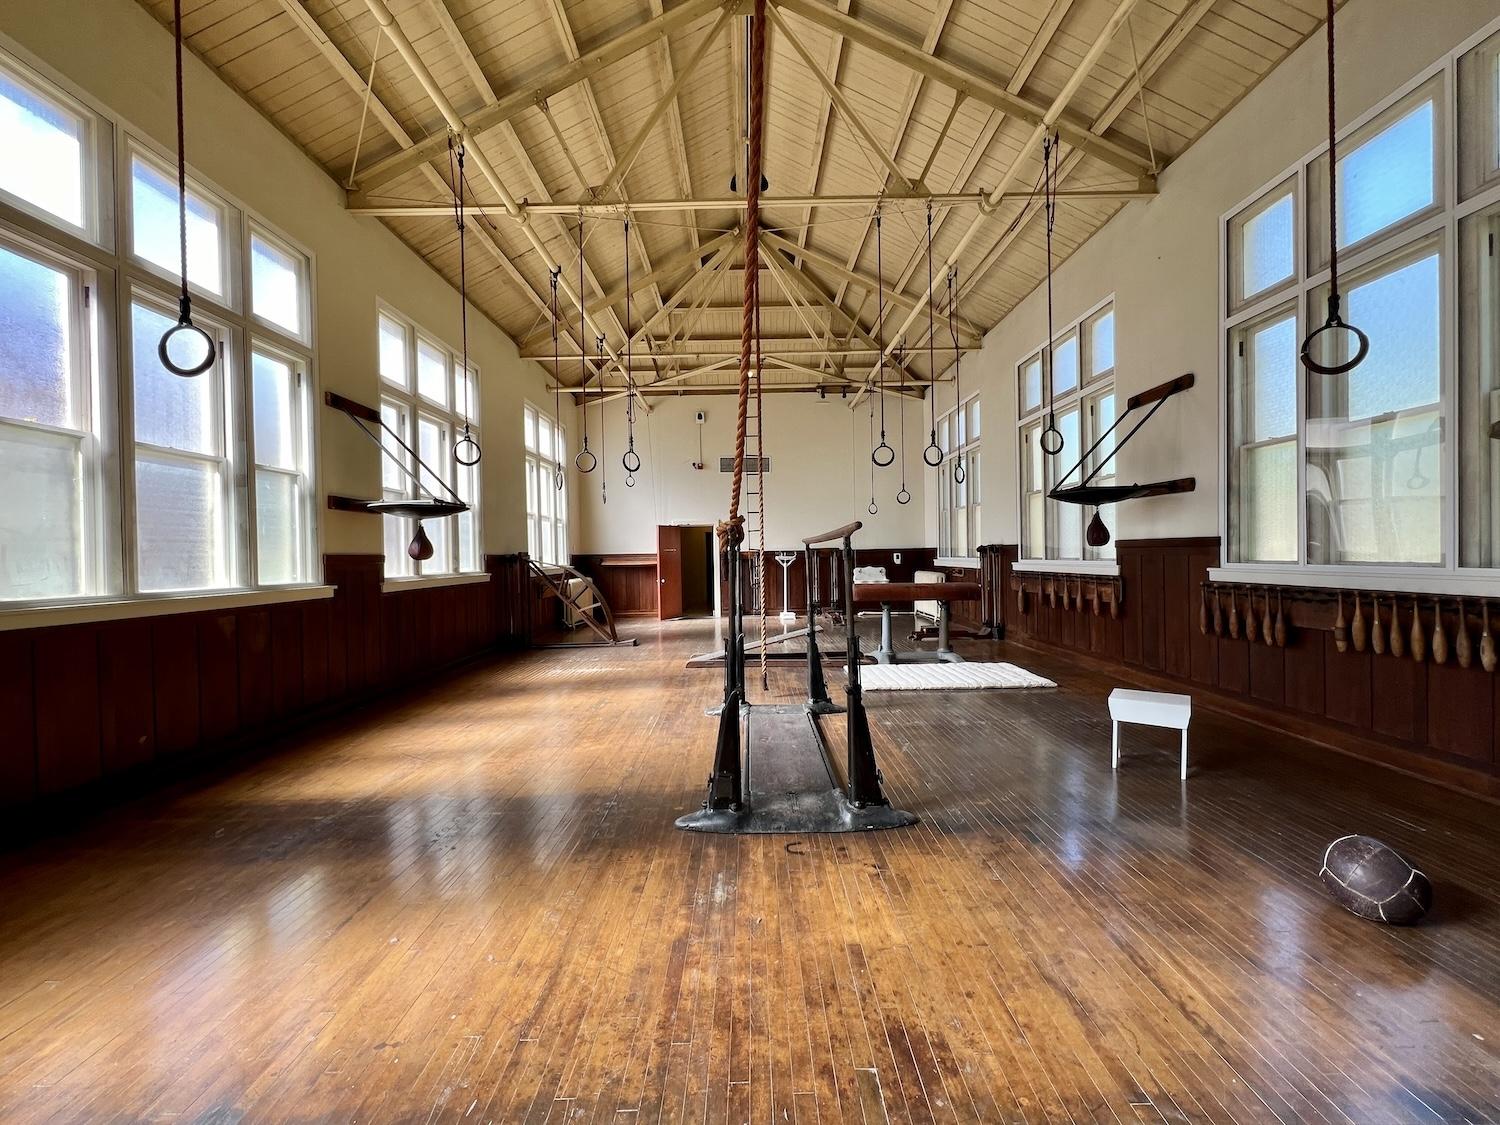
(958, 491)
(1362, 469)
(1081, 375)
(123, 480)
(546, 487)
(426, 398)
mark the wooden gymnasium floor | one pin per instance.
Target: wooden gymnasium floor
(470, 905)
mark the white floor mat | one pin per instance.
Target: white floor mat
(967, 676)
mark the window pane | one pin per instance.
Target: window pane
(1479, 390)
(36, 365)
(432, 447)
(1031, 385)
(1065, 365)
(391, 476)
(530, 425)
(1271, 380)
(1102, 344)
(1265, 248)
(1263, 408)
(544, 440)
(171, 411)
(1065, 532)
(467, 401)
(1104, 418)
(276, 285)
(974, 420)
(278, 519)
(1388, 177)
(392, 352)
(432, 373)
(468, 491)
(43, 146)
(1268, 500)
(275, 424)
(180, 525)
(397, 534)
(154, 223)
(41, 515)
(1375, 445)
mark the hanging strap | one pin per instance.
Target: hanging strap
(585, 462)
(466, 450)
(933, 454)
(1051, 439)
(959, 472)
(631, 460)
(882, 454)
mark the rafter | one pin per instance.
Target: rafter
(580, 67)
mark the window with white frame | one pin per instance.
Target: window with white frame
(958, 482)
(1080, 375)
(124, 480)
(426, 397)
(1391, 464)
(546, 441)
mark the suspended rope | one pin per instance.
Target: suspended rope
(874, 508)
(959, 472)
(1051, 439)
(632, 459)
(1335, 320)
(881, 454)
(586, 462)
(466, 450)
(904, 496)
(603, 429)
(184, 349)
(933, 454)
(556, 272)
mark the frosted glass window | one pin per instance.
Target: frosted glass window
(1266, 248)
(544, 434)
(432, 373)
(1031, 385)
(276, 285)
(393, 352)
(1102, 344)
(1268, 494)
(44, 145)
(1104, 418)
(1388, 177)
(466, 395)
(391, 475)
(468, 543)
(1401, 313)
(154, 225)
(278, 523)
(1271, 378)
(1065, 364)
(1065, 530)
(432, 448)
(42, 533)
(180, 530)
(37, 380)
(974, 420)
(1032, 538)
(170, 411)
(275, 417)
(530, 431)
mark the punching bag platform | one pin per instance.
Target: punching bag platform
(790, 783)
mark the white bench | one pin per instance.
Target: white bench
(1152, 709)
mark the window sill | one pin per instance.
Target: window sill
(124, 609)
(435, 582)
(957, 563)
(1399, 580)
(1097, 568)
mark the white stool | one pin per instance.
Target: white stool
(1152, 709)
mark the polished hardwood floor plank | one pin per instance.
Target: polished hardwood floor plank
(469, 904)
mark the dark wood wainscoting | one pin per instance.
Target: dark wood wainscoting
(627, 581)
(87, 704)
(1441, 721)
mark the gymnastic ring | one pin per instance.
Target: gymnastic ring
(890, 455)
(629, 480)
(873, 509)
(185, 324)
(1335, 323)
(557, 478)
(933, 454)
(1052, 441)
(631, 455)
(585, 462)
(904, 496)
(461, 448)
(959, 475)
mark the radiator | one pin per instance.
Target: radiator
(928, 609)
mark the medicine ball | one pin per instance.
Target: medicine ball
(1372, 879)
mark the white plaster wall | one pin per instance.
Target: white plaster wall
(121, 59)
(819, 479)
(1160, 259)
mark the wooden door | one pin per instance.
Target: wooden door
(668, 572)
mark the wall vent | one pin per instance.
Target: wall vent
(726, 465)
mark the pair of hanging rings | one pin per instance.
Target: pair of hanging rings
(888, 459)
(175, 335)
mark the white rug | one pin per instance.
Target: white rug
(967, 676)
